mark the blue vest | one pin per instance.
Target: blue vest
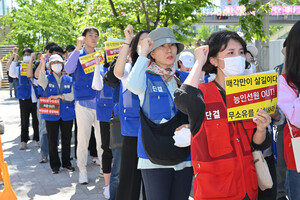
(129, 112)
(67, 108)
(182, 75)
(104, 99)
(158, 104)
(83, 82)
(24, 86)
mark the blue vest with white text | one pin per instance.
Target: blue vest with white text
(83, 82)
(24, 86)
(67, 108)
(158, 104)
(104, 100)
(129, 112)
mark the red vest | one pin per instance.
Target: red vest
(288, 149)
(221, 153)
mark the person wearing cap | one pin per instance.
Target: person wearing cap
(251, 54)
(130, 178)
(166, 169)
(185, 63)
(58, 86)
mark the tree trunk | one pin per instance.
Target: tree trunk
(263, 47)
(115, 13)
(146, 15)
(157, 17)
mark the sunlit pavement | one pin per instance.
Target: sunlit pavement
(32, 180)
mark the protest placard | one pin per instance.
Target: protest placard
(88, 62)
(246, 94)
(112, 49)
(24, 68)
(49, 107)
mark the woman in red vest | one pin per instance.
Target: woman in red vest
(289, 103)
(220, 150)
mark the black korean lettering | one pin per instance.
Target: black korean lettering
(263, 80)
(244, 113)
(229, 83)
(238, 114)
(242, 82)
(251, 113)
(231, 115)
(257, 80)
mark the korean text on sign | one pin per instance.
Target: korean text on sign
(88, 62)
(246, 94)
(112, 49)
(24, 68)
(49, 107)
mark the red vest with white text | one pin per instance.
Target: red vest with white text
(221, 153)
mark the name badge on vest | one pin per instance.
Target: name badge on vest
(157, 88)
(214, 111)
(51, 85)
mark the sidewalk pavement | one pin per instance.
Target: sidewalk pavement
(35, 181)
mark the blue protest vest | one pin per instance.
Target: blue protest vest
(104, 99)
(158, 104)
(23, 86)
(83, 82)
(182, 75)
(67, 108)
(129, 112)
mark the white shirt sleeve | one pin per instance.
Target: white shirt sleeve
(97, 83)
(13, 70)
(126, 73)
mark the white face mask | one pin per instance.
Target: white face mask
(26, 59)
(251, 70)
(234, 66)
(56, 67)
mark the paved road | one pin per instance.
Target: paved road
(35, 181)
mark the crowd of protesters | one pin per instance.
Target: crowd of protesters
(144, 115)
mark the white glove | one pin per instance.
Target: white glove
(182, 138)
(97, 83)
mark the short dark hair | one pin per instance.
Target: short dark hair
(89, 29)
(28, 50)
(49, 45)
(70, 47)
(218, 42)
(292, 59)
(57, 49)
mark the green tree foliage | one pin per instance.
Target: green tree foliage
(112, 16)
(37, 22)
(251, 24)
(204, 32)
(233, 28)
(286, 2)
